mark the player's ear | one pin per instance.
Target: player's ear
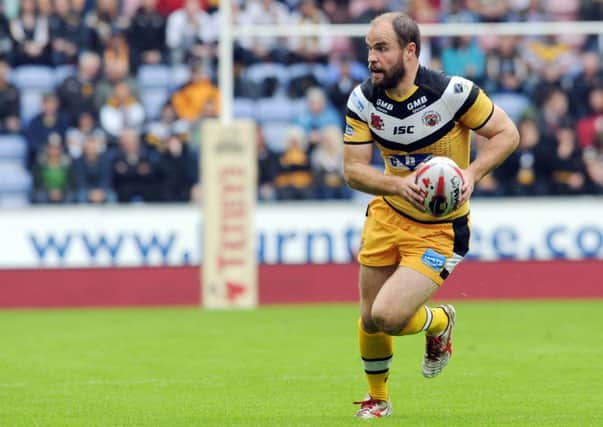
(411, 49)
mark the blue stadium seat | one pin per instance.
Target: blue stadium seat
(278, 108)
(31, 104)
(32, 81)
(15, 185)
(275, 134)
(13, 148)
(258, 73)
(244, 108)
(39, 77)
(62, 72)
(153, 75)
(179, 75)
(153, 99)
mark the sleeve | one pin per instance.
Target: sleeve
(470, 104)
(356, 127)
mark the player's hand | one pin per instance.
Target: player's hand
(468, 186)
(410, 191)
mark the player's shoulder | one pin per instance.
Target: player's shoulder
(442, 84)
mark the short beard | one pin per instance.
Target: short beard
(390, 81)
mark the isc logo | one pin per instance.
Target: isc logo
(402, 130)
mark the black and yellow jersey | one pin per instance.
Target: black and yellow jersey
(434, 119)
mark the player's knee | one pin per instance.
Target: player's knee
(390, 322)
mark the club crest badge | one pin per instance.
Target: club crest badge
(431, 118)
(377, 122)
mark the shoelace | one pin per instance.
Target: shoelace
(434, 347)
(367, 404)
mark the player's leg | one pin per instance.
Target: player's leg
(399, 309)
(376, 348)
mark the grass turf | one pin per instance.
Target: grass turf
(515, 364)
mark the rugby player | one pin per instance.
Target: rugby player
(412, 113)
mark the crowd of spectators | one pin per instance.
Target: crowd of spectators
(97, 136)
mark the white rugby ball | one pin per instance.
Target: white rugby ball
(440, 180)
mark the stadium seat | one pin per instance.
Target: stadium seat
(153, 99)
(13, 148)
(179, 75)
(15, 185)
(31, 104)
(153, 75)
(37, 77)
(260, 73)
(244, 108)
(278, 108)
(275, 134)
(62, 72)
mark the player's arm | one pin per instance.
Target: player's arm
(361, 176)
(502, 139)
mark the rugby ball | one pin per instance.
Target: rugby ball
(440, 180)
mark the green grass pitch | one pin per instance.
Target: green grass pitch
(514, 364)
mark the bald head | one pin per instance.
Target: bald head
(405, 28)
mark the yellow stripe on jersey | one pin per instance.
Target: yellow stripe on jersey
(479, 113)
(356, 132)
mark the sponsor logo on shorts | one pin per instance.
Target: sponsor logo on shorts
(349, 130)
(433, 260)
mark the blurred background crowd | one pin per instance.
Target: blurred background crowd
(100, 100)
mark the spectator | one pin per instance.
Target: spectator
(116, 50)
(122, 110)
(52, 179)
(464, 58)
(294, 176)
(327, 165)
(268, 167)
(554, 108)
(190, 31)
(567, 172)
(198, 98)
(178, 173)
(29, 31)
(10, 102)
(593, 163)
(337, 11)
(489, 11)
(134, 170)
(590, 77)
(76, 93)
(343, 86)
(524, 171)
(157, 132)
(103, 21)
(505, 67)
(589, 127)
(76, 136)
(146, 36)
(6, 41)
(50, 121)
(265, 12)
(309, 49)
(375, 8)
(92, 173)
(316, 115)
(114, 72)
(68, 34)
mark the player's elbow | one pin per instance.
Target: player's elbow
(514, 137)
(350, 176)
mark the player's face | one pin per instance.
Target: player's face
(385, 57)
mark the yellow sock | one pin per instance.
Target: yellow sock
(376, 351)
(431, 320)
